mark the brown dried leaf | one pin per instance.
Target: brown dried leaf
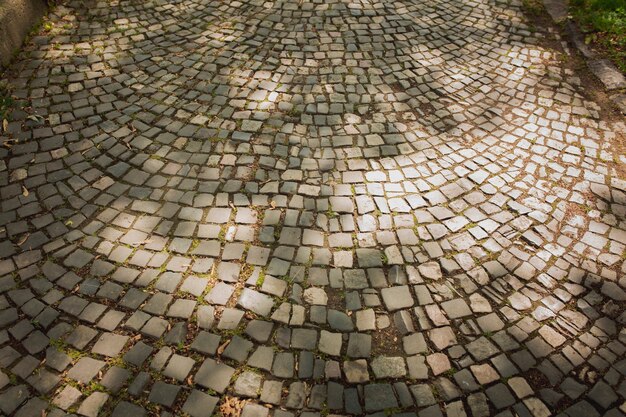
(232, 407)
(23, 239)
(220, 349)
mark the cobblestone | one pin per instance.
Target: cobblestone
(316, 208)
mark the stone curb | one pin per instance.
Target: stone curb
(17, 17)
(604, 70)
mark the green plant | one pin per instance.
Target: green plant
(604, 25)
(533, 7)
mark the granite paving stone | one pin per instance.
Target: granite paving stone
(92, 405)
(125, 408)
(109, 344)
(396, 298)
(85, 370)
(178, 367)
(214, 375)
(200, 404)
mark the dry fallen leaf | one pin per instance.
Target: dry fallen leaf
(220, 349)
(23, 239)
(5, 125)
(25, 191)
(232, 407)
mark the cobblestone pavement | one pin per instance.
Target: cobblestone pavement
(297, 208)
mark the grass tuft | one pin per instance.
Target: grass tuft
(604, 25)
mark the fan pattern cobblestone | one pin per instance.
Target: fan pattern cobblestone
(308, 208)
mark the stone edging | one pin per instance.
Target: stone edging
(609, 75)
(17, 17)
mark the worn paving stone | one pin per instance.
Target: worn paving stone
(442, 337)
(92, 405)
(125, 408)
(396, 298)
(330, 343)
(359, 345)
(178, 367)
(85, 370)
(109, 344)
(256, 302)
(163, 393)
(439, 363)
(66, 398)
(213, 375)
(200, 404)
(248, 384)
(115, 378)
(379, 397)
(384, 367)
